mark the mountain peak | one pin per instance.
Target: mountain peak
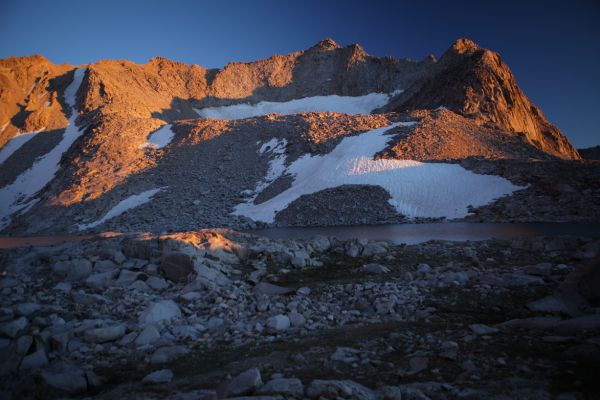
(464, 45)
(326, 44)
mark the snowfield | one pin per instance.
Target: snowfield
(159, 138)
(19, 195)
(124, 205)
(417, 189)
(334, 103)
(15, 144)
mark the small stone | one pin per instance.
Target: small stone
(375, 269)
(549, 304)
(243, 384)
(140, 285)
(160, 311)
(127, 277)
(63, 287)
(296, 319)
(148, 336)
(100, 280)
(449, 350)
(270, 289)
(298, 262)
(25, 309)
(346, 355)
(389, 393)
(166, 354)
(339, 389)
(106, 334)
(481, 329)
(191, 296)
(215, 323)
(423, 268)
(304, 291)
(290, 387)
(119, 257)
(104, 266)
(6, 314)
(157, 283)
(160, 376)
(278, 323)
(417, 364)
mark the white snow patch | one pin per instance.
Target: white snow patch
(15, 144)
(19, 195)
(333, 103)
(159, 138)
(276, 148)
(417, 189)
(124, 205)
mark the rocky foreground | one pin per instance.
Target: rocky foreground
(218, 314)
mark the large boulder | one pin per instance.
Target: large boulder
(243, 384)
(105, 334)
(177, 266)
(73, 270)
(65, 378)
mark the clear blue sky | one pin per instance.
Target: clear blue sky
(552, 47)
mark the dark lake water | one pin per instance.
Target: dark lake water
(418, 233)
(397, 233)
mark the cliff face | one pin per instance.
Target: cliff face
(31, 91)
(475, 83)
(468, 80)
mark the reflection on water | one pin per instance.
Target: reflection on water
(7, 242)
(398, 233)
(418, 233)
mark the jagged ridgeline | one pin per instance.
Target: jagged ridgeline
(187, 146)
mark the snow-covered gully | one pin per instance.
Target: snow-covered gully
(19, 195)
(124, 205)
(16, 143)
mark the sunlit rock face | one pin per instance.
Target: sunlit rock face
(184, 139)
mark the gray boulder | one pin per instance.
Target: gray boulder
(160, 376)
(245, 383)
(73, 270)
(177, 266)
(289, 387)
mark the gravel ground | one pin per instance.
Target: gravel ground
(182, 315)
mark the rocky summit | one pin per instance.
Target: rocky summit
(147, 248)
